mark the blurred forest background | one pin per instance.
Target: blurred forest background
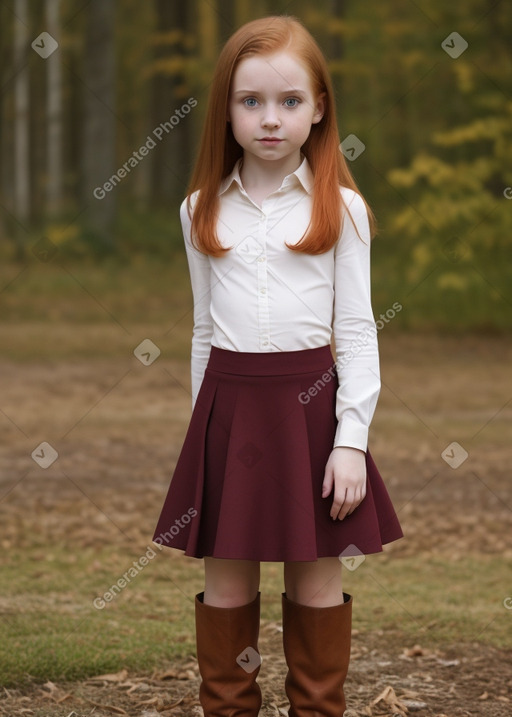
(435, 117)
(101, 108)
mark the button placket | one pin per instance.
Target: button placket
(262, 289)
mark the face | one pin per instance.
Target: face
(272, 106)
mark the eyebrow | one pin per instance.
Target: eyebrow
(291, 91)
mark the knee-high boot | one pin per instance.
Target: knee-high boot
(316, 644)
(228, 659)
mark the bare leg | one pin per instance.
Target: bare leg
(316, 584)
(230, 583)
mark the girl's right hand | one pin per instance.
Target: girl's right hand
(346, 472)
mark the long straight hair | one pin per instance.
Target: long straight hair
(219, 150)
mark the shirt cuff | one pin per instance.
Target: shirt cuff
(351, 434)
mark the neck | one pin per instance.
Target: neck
(259, 173)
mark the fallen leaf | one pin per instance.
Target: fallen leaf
(115, 677)
(109, 708)
(143, 686)
(151, 701)
(65, 697)
(172, 705)
(414, 651)
(169, 674)
(186, 675)
(389, 697)
(410, 694)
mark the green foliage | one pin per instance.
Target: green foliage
(437, 131)
(150, 232)
(453, 216)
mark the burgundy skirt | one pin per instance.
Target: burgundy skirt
(248, 481)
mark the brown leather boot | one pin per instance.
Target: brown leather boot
(227, 654)
(316, 644)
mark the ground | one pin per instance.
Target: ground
(440, 396)
(460, 681)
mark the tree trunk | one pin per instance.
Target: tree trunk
(21, 123)
(54, 114)
(169, 162)
(98, 148)
(6, 125)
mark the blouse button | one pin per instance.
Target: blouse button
(263, 290)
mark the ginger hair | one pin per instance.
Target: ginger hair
(219, 151)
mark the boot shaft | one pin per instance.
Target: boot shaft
(228, 658)
(316, 645)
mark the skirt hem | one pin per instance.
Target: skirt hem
(248, 481)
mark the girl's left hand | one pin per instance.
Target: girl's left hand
(346, 471)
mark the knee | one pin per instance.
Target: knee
(317, 585)
(231, 587)
(229, 593)
(311, 596)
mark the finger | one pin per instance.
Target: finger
(337, 503)
(344, 503)
(328, 483)
(360, 495)
(347, 504)
(355, 503)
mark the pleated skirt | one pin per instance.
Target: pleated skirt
(248, 481)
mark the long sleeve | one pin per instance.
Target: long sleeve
(355, 333)
(199, 268)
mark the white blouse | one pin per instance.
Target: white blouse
(261, 296)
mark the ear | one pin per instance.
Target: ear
(319, 109)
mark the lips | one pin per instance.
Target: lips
(270, 140)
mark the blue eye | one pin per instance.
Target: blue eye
(250, 99)
(292, 99)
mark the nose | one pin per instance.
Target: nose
(270, 117)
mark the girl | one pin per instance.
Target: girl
(275, 466)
